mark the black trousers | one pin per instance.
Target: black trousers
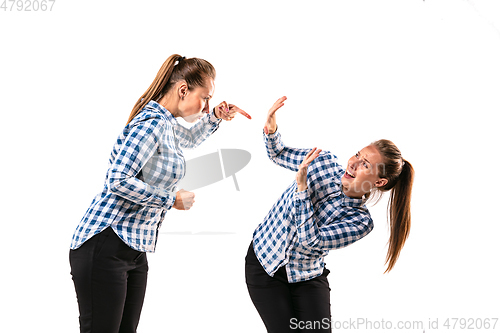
(288, 307)
(110, 283)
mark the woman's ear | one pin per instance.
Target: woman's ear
(182, 89)
(381, 182)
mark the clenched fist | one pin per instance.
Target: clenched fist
(184, 200)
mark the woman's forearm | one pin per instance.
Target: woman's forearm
(194, 136)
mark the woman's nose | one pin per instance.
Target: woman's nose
(355, 164)
(206, 109)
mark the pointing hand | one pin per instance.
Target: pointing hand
(228, 111)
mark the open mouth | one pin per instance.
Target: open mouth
(349, 174)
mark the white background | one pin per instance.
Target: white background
(424, 74)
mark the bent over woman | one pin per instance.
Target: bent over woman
(108, 251)
(322, 210)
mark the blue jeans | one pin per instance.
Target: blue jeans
(110, 283)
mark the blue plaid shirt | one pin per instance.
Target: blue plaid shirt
(302, 227)
(145, 164)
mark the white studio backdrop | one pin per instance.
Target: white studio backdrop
(424, 74)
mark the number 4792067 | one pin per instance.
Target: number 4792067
(27, 5)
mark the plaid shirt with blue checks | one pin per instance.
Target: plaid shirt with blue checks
(145, 165)
(302, 227)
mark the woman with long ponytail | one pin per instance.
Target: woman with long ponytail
(108, 250)
(322, 210)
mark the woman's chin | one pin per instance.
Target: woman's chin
(192, 119)
(346, 181)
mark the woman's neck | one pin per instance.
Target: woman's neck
(352, 194)
(168, 102)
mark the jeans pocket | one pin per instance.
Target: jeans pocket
(139, 256)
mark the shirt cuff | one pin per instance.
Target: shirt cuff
(212, 119)
(303, 208)
(274, 143)
(272, 135)
(303, 195)
(169, 199)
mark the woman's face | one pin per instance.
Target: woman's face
(195, 102)
(362, 172)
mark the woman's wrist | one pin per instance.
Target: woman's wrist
(301, 187)
(272, 131)
(215, 113)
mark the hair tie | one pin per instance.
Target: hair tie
(180, 59)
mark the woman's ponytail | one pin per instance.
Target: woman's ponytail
(399, 214)
(157, 87)
(399, 174)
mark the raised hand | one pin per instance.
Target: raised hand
(301, 176)
(270, 125)
(228, 111)
(184, 200)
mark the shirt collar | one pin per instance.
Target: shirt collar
(161, 109)
(352, 202)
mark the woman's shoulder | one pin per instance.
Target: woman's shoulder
(327, 155)
(147, 116)
(148, 121)
(327, 160)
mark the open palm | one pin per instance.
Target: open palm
(301, 176)
(270, 125)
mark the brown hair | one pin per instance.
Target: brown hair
(399, 174)
(194, 71)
